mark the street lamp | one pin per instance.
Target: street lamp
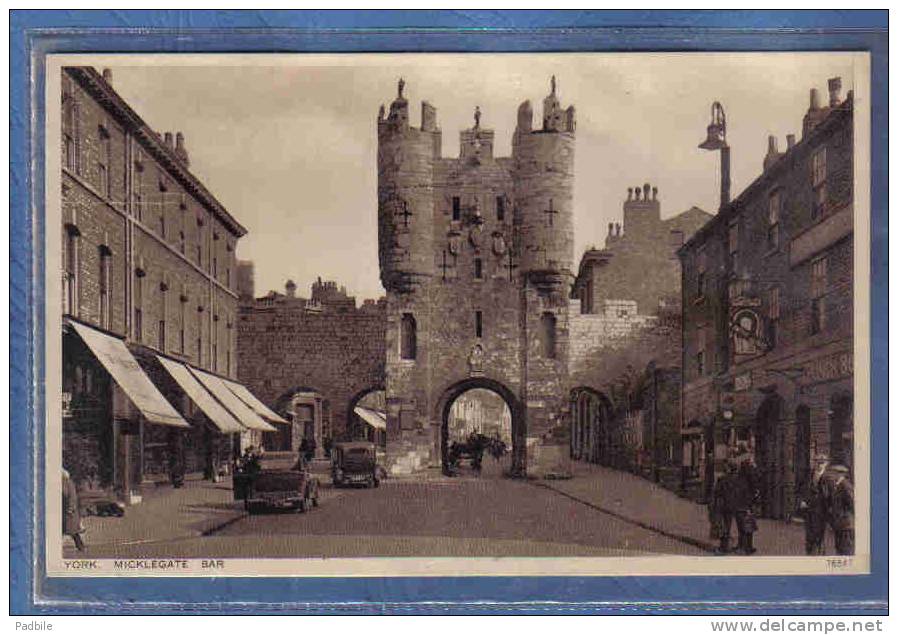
(717, 140)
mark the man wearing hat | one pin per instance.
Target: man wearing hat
(814, 507)
(841, 508)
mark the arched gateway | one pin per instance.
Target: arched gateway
(518, 425)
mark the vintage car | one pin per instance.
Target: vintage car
(355, 463)
(276, 480)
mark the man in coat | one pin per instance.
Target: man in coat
(724, 504)
(747, 494)
(815, 507)
(841, 508)
(71, 511)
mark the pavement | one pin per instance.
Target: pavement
(599, 512)
(165, 514)
(648, 505)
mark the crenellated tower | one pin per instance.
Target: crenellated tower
(405, 159)
(476, 256)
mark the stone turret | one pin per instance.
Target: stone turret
(543, 192)
(405, 194)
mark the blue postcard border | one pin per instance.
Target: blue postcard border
(33, 34)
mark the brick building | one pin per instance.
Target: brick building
(148, 300)
(476, 258)
(624, 319)
(767, 308)
(313, 359)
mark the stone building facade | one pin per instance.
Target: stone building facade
(476, 258)
(311, 359)
(147, 272)
(768, 313)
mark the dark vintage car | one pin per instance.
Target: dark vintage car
(276, 480)
(355, 463)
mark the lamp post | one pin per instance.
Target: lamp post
(717, 140)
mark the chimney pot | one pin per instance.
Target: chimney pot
(654, 193)
(629, 193)
(835, 90)
(815, 99)
(611, 229)
(771, 144)
(107, 75)
(645, 191)
(168, 140)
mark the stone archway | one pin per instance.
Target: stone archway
(350, 432)
(591, 414)
(518, 423)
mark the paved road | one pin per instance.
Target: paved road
(442, 517)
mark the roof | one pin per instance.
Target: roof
(773, 172)
(94, 83)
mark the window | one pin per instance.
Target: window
(138, 305)
(774, 207)
(163, 288)
(773, 314)
(478, 323)
(69, 144)
(733, 245)
(700, 271)
(818, 295)
(72, 136)
(228, 277)
(182, 242)
(103, 163)
(182, 324)
(700, 335)
(818, 182)
(162, 222)
(500, 208)
(548, 325)
(215, 267)
(71, 270)
(456, 208)
(408, 337)
(102, 179)
(478, 268)
(105, 286)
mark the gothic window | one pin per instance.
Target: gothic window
(408, 337)
(500, 208)
(456, 208)
(478, 323)
(818, 295)
(818, 182)
(105, 286)
(548, 324)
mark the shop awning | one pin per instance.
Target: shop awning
(217, 413)
(254, 403)
(127, 373)
(373, 418)
(232, 402)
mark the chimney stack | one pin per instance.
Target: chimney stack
(815, 99)
(290, 288)
(611, 229)
(107, 75)
(835, 90)
(169, 140)
(629, 193)
(790, 141)
(772, 153)
(180, 150)
(654, 193)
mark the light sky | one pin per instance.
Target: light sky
(289, 145)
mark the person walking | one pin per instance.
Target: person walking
(723, 507)
(841, 509)
(814, 508)
(71, 511)
(747, 495)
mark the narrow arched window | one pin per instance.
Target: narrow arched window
(408, 337)
(547, 333)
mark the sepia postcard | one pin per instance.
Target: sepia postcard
(457, 314)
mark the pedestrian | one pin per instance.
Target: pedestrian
(71, 511)
(747, 495)
(814, 508)
(841, 509)
(724, 503)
